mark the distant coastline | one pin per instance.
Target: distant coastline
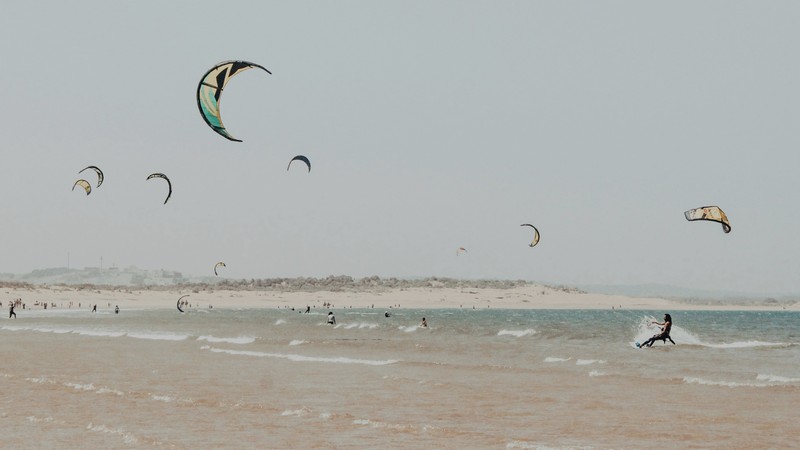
(134, 279)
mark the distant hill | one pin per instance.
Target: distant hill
(141, 278)
(112, 276)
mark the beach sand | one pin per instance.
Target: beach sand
(522, 297)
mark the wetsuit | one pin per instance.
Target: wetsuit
(663, 336)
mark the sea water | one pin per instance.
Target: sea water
(276, 378)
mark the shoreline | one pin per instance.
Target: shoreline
(519, 297)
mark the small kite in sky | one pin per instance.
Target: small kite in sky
(219, 264)
(535, 234)
(169, 184)
(711, 213)
(84, 184)
(300, 158)
(98, 172)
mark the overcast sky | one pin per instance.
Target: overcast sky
(430, 125)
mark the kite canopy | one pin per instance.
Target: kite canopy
(460, 249)
(84, 184)
(219, 264)
(169, 184)
(710, 213)
(98, 172)
(210, 89)
(535, 234)
(300, 158)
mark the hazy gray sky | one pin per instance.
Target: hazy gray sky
(431, 125)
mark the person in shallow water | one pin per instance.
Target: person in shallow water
(331, 318)
(424, 323)
(11, 311)
(666, 326)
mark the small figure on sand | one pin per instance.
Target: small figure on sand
(94, 308)
(11, 311)
(116, 309)
(331, 318)
(666, 327)
(424, 323)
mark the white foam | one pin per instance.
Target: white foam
(360, 325)
(296, 412)
(98, 333)
(81, 387)
(298, 342)
(301, 358)
(517, 333)
(376, 424)
(597, 373)
(776, 379)
(163, 398)
(126, 437)
(159, 336)
(586, 362)
(40, 380)
(236, 340)
(410, 329)
(731, 384)
(104, 390)
(280, 322)
(35, 419)
(552, 359)
(746, 344)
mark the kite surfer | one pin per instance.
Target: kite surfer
(666, 327)
(11, 311)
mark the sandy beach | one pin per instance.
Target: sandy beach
(521, 297)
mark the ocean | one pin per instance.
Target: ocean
(277, 378)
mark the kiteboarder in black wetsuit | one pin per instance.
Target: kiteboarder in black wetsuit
(11, 311)
(666, 327)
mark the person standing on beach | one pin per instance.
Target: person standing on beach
(331, 318)
(666, 327)
(11, 312)
(116, 309)
(94, 308)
